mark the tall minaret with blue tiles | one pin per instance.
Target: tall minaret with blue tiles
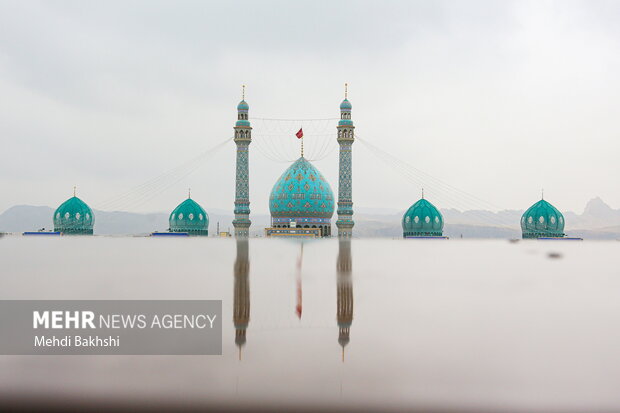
(345, 140)
(243, 138)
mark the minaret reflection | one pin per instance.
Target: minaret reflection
(241, 297)
(344, 284)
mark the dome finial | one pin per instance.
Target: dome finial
(542, 193)
(346, 90)
(189, 193)
(242, 92)
(74, 188)
(422, 193)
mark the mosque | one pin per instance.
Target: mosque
(302, 203)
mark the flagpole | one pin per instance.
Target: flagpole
(302, 146)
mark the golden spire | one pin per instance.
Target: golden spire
(346, 90)
(74, 188)
(422, 193)
(189, 193)
(542, 193)
(242, 92)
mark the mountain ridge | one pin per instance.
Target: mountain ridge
(598, 221)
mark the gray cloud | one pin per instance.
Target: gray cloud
(496, 98)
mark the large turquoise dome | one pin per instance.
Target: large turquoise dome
(189, 217)
(74, 217)
(302, 195)
(542, 220)
(422, 219)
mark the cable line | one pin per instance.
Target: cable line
(147, 190)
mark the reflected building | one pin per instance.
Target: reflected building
(344, 284)
(241, 293)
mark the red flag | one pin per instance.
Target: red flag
(300, 134)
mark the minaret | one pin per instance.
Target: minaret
(243, 138)
(241, 294)
(344, 298)
(345, 140)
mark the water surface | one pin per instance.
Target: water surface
(452, 324)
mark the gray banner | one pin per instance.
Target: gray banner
(173, 327)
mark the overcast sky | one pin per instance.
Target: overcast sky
(496, 98)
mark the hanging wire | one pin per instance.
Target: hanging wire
(294, 120)
(276, 141)
(449, 194)
(153, 187)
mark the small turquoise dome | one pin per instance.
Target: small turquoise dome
(74, 217)
(422, 219)
(242, 117)
(345, 115)
(302, 195)
(243, 105)
(189, 217)
(542, 220)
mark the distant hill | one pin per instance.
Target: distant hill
(598, 221)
